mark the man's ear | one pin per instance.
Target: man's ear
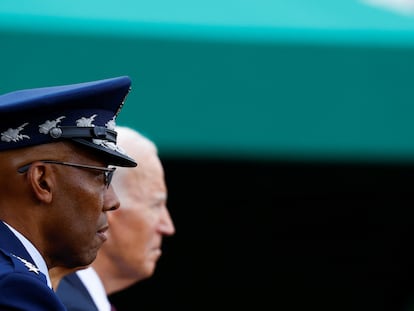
(41, 179)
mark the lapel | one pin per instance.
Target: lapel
(73, 293)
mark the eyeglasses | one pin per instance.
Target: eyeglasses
(107, 171)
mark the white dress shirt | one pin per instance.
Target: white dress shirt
(93, 284)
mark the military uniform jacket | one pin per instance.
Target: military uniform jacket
(22, 285)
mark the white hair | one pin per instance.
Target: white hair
(128, 139)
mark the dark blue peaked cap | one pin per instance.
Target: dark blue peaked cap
(84, 113)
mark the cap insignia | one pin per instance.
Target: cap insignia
(48, 125)
(109, 145)
(86, 122)
(13, 134)
(29, 265)
(111, 124)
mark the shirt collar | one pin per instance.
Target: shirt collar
(94, 285)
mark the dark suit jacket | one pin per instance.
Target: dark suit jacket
(22, 285)
(74, 294)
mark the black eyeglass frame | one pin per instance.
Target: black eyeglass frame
(107, 171)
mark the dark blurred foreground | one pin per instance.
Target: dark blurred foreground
(284, 236)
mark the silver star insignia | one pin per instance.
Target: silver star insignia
(28, 264)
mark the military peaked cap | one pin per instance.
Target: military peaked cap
(84, 113)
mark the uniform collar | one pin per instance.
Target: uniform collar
(33, 252)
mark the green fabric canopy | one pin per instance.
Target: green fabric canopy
(302, 80)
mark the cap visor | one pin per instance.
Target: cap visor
(112, 156)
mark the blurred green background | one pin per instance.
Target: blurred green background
(308, 80)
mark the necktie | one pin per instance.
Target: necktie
(113, 307)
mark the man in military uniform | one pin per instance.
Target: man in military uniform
(58, 153)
